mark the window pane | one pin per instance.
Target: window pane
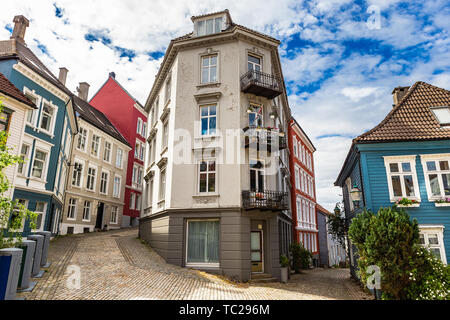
(442, 114)
(443, 165)
(433, 239)
(434, 185)
(213, 60)
(201, 28)
(396, 186)
(252, 180)
(204, 126)
(212, 110)
(254, 59)
(436, 252)
(213, 73)
(406, 167)
(212, 125)
(204, 111)
(211, 182)
(431, 166)
(203, 242)
(409, 186)
(205, 75)
(218, 24)
(421, 239)
(203, 182)
(209, 26)
(212, 166)
(205, 61)
(393, 167)
(445, 183)
(202, 166)
(260, 181)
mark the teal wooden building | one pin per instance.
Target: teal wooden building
(406, 156)
(49, 130)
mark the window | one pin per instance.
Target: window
(256, 175)
(139, 125)
(162, 185)
(90, 185)
(150, 193)
(142, 152)
(154, 114)
(254, 63)
(137, 146)
(116, 189)
(202, 242)
(132, 200)
(297, 178)
(442, 114)
(24, 152)
(47, 117)
(87, 211)
(119, 156)
(255, 116)
(207, 176)
(77, 174)
(5, 119)
(82, 139)
(71, 213)
(432, 237)
(31, 114)
(168, 89)
(39, 164)
(208, 120)
(209, 26)
(294, 143)
(95, 144)
(144, 129)
(165, 136)
(209, 69)
(437, 175)
(107, 152)
(139, 176)
(114, 210)
(402, 179)
(138, 202)
(303, 154)
(104, 182)
(40, 211)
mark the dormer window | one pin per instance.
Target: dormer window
(209, 26)
(442, 114)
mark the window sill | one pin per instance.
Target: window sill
(416, 205)
(203, 265)
(51, 135)
(201, 195)
(208, 85)
(442, 204)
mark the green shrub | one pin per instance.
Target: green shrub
(284, 261)
(301, 257)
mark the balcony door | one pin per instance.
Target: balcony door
(257, 177)
(255, 116)
(254, 63)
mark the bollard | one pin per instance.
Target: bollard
(14, 271)
(36, 271)
(29, 248)
(47, 235)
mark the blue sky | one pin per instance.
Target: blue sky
(339, 70)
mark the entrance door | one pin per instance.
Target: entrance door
(99, 221)
(256, 247)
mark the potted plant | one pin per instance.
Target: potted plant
(405, 202)
(284, 264)
(443, 202)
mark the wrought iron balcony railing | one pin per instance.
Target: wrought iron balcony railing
(261, 84)
(260, 137)
(265, 200)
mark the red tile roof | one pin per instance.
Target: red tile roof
(322, 209)
(412, 119)
(7, 88)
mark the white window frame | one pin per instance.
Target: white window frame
(444, 124)
(165, 135)
(109, 151)
(199, 264)
(201, 28)
(426, 230)
(209, 67)
(207, 172)
(81, 136)
(107, 182)
(162, 185)
(295, 145)
(120, 152)
(208, 106)
(132, 200)
(436, 158)
(89, 211)
(119, 186)
(168, 89)
(35, 112)
(26, 160)
(44, 215)
(114, 214)
(411, 159)
(72, 208)
(95, 155)
(297, 178)
(94, 184)
(45, 165)
(79, 162)
(53, 118)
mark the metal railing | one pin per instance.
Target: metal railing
(260, 79)
(265, 136)
(271, 200)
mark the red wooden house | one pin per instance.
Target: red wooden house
(130, 118)
(303, 194)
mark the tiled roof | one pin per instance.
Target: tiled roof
(322, 209)
(412, 119)
(97, 119)
(7, 88)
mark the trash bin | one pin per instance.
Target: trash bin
(47, 235)
(29, 248)
(36, 271)
(15, 254)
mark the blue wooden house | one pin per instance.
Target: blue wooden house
(406, 156)
(49, 130)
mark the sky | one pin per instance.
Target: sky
(340, 58)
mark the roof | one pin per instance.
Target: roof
(7, 88)
(213, 14)
(322, 209)
(412, 119)
(16, 50)
(309, 140)
(97, 119)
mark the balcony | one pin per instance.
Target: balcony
(265, 200)
(261, 84)
(261, 138)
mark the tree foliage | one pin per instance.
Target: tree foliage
(12, 214)
(301, 257)
(338, 227)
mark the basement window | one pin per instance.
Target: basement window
(442, 114)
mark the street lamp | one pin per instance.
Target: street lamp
(355, 195)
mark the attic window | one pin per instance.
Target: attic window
(442, 114)
(209, 26)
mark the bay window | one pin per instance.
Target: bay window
(209, 26)
(202, 242)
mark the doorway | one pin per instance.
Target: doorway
(256, 247)
(99, 220)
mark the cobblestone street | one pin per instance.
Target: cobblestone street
(116, 265)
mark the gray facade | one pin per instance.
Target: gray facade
(323, 238)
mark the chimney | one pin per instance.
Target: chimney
(83, 90)
(398, 93)
(20, 26)
(63, 75)
(112, 75)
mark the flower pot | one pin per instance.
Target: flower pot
(284, 274)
